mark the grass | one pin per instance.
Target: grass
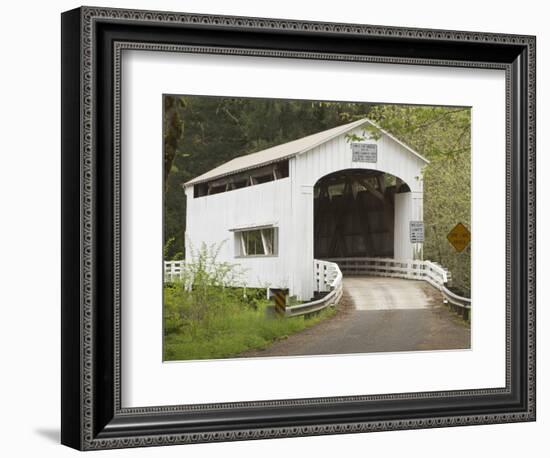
(205, 317)
(230, 334)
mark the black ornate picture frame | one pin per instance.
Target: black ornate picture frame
(92, 42)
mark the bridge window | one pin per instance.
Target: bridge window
(256, 242)
(255, 176)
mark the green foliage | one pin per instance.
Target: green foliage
(447, 200)
(168, 254)
(229, 334)
(435, 132)
(204, 291)
(205, 317)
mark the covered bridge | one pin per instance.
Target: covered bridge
(339, 193)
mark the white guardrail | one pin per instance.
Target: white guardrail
(173, 270)
(328, 278)
(429, 271)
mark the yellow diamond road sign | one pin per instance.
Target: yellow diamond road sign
(459, 237)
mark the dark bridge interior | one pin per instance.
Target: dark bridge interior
(354, 214)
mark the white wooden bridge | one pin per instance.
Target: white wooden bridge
(333, 194)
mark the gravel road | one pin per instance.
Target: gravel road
(379, 314)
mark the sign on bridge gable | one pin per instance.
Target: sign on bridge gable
(364, 152)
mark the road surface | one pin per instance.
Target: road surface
(379, 314)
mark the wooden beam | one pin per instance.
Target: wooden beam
(367, 233)
(348, 188)
(381, 183)
(372, 190)
(321, 211)
(337, 243)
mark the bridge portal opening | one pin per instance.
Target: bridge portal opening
(354, 214)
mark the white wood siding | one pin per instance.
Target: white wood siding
(408, 207)
(336, 155)
(210, 220)
(402, 248)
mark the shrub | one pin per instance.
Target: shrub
(206, 289)
(207, 316)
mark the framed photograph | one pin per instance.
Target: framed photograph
(276, 228)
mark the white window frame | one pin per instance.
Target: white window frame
(241, 245)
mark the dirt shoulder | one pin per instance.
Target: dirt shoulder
(289, 345)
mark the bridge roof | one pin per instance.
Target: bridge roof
(288, 150)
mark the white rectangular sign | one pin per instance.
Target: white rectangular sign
(416, 231)
(364, 152)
